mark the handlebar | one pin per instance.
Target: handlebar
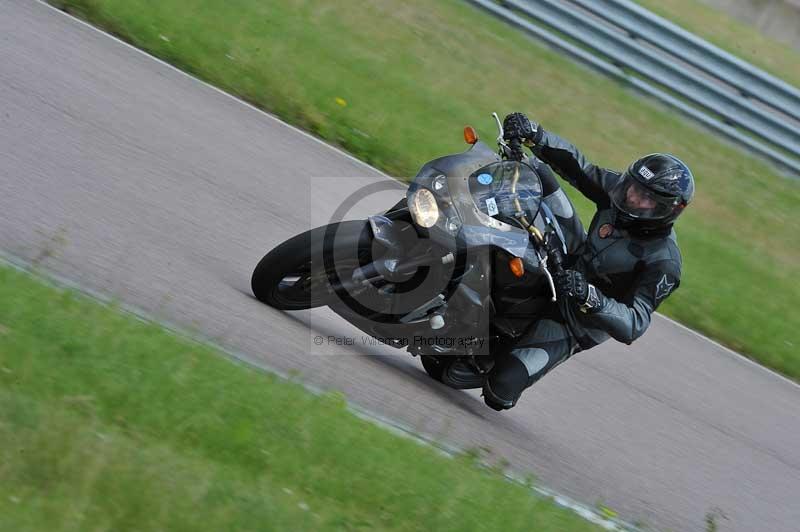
(556, 258)
(513, 149)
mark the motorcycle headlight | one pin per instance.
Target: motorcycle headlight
(423, 208)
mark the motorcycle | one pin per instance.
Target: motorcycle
(461, 267)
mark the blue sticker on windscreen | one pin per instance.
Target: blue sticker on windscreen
(485, 179)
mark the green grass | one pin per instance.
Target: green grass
(394, 83)
(726, 32)
(111, 423)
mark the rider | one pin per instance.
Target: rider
(616, 274)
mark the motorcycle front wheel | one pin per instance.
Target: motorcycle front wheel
(293, 275)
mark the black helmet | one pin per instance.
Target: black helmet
(652, 193)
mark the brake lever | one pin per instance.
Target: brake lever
(553, 253)
(505, 149)
(543, 267)
(500, 139)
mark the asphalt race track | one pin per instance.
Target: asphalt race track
(136, 181)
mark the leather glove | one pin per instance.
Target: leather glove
(517, 125)
(572, 286)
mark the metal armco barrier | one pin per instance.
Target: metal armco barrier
(702, 81)
(749, 80)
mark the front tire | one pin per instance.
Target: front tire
(292, 276)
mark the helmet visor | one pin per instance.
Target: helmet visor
(633, 198)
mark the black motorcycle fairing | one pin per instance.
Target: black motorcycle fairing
(474, 213)
(492, 200)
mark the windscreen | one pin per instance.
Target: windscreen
(503, 188)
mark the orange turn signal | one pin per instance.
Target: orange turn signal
(470, 136)
(517, 268)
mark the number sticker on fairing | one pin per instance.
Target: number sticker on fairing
(491, 206)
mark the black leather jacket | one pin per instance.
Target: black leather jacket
(634, 273)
